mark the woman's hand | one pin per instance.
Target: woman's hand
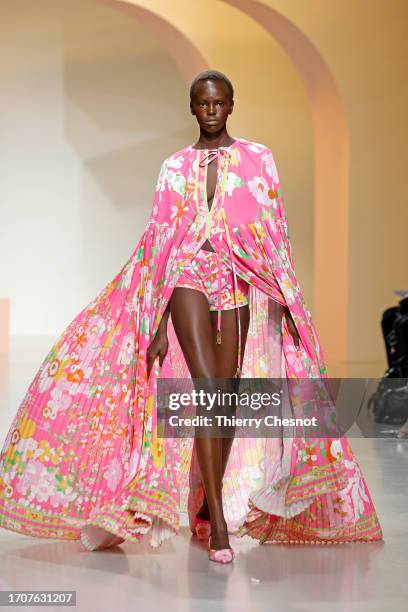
(292, 327)
(158, 347)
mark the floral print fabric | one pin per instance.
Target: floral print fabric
(205, 273)
(84, 449)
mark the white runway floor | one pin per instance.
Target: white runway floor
(178, 576)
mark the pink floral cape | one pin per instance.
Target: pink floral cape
(84, 450)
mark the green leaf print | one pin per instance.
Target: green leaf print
(266, 214)
(241, 253)
(177, 182)
(233, 181)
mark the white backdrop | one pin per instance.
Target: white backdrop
(80, 83)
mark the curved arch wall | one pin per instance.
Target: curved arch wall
(96, 94)
(328, 287)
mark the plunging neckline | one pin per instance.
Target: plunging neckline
(201, 155)
(217, 152)
(216, 183)
(213, 200)
(222, 158)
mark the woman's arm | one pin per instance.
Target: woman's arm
(162, 329)
(160, 344)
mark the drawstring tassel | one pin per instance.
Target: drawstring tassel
(219, 327)
(219, 301)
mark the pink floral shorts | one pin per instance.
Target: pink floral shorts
(203, 274)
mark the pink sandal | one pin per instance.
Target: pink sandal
(202, 528)
(222, 555)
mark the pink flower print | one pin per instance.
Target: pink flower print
(256, 147)
(356, 490)
(127, 349)
(45, 380)
(336, 449)
(45, 454)
(263, 192)
(270, 167)
(259, 188)
(15, 436)
(148, 293)
(60, 400)
(96, 328)
(36, 479)
(72, 388)
(71, 429)
(79, 339)
(8, 491)
(342, 506)
(179, 211)
(233, 181)
(61, 498)
(75, 373)
(113, 474)
(308, 455)
(116, 390)
(54, 367)
(176, 182)
(294, 357)
(234, 157)
(287, 290)
(44, 487)
(175, 162)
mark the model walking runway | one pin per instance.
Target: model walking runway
(83, 451)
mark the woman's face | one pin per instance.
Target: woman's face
(211, 105)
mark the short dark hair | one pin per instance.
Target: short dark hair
(212, 75)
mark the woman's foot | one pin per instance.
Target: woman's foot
(225, 555)
(220, 550)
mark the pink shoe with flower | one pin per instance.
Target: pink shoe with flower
(222, 555)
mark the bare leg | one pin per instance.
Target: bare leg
(195, 328)
(226, 359)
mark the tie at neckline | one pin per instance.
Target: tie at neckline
(211, 155)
